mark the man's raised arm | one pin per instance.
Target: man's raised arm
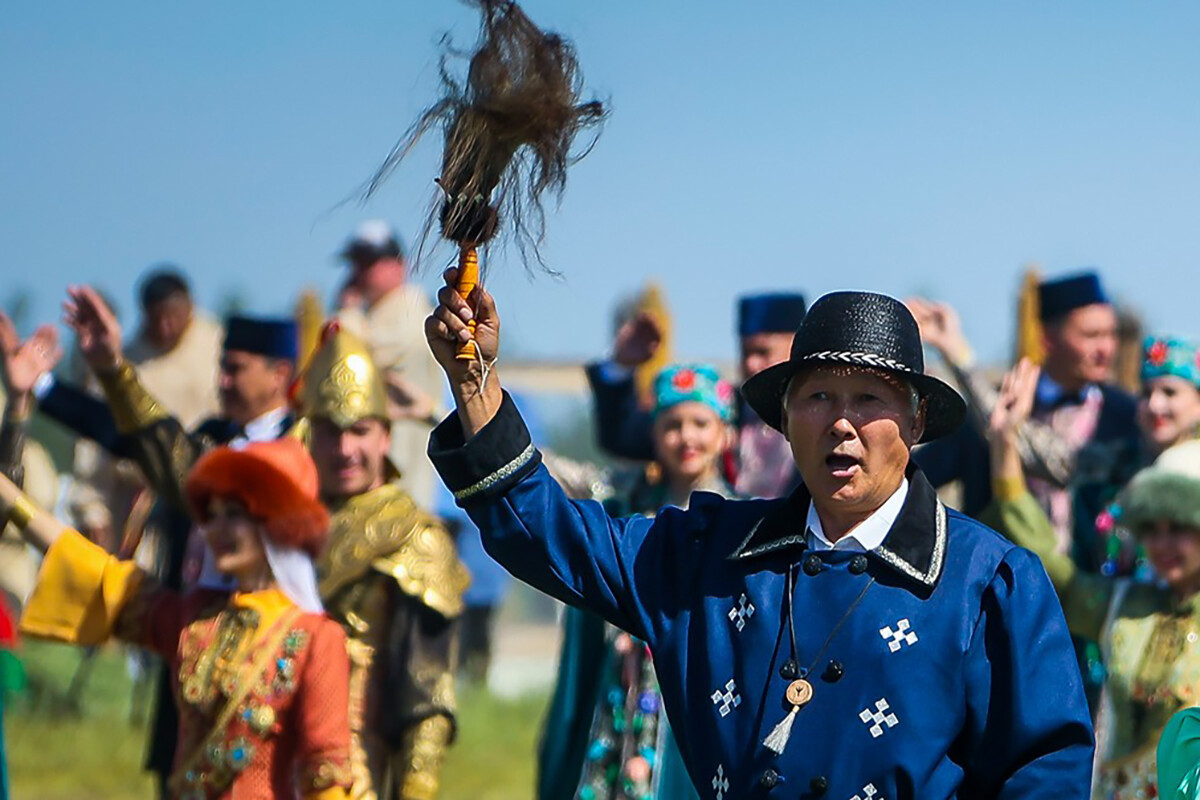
(573, 550)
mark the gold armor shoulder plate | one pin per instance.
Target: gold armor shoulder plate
(133, 408)
(383, 530)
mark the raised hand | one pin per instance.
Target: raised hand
(1013, 407)
(941, 329)
(95, 327)
(476, 388)
(25, 361)
(1015, 403)
(637, 340)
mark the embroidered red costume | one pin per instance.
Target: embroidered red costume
(261, 685)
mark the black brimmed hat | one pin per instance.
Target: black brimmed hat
(860, 329)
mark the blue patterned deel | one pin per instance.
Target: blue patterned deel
(957, 675)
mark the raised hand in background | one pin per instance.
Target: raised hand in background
(941, 329)
(96, 327)
(1013, 408)
(25, 361)
(637, 340)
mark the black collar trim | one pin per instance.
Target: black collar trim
(937, 557)
(914, 547)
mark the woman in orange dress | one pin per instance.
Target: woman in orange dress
(261, 674)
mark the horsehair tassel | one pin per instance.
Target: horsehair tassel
(468, 279)
(778, 738)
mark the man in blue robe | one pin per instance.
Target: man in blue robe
(853, 640)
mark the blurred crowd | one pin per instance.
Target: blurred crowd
(1083, 449)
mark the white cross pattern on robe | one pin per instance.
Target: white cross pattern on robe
(868, 792)
(729, 699)
(720, 783)
(902, 635)
(743, 611)
(879, 717)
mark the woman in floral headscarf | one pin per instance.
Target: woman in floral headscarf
(1168, 413)
(1169, 408)
(606, 735)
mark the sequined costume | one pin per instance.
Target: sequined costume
(261, 686)
(392, 578)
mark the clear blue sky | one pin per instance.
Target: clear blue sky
(895, 146)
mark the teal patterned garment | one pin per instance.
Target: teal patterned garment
(1179, 757)
(606, 735)
(625, 746)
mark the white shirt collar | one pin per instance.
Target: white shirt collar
(869, 533)
(264, 428)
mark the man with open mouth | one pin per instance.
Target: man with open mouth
(855, 639)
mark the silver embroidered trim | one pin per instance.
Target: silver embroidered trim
(491, 480)
(739, 551)
(935, 563)
(869, 359)
(928, 578)
(769, 547)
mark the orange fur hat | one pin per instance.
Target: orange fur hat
(275, 481)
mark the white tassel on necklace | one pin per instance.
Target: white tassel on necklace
(778, 738)
(799, 692)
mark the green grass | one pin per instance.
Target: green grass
(493, 757)
(94, 752)
(88, 753)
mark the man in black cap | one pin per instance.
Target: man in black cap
(383, 308)
(765, 325)
(256, 369)
(856, 638)
(1081, 443)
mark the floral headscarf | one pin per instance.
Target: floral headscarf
(697, 383)
(1163, 356)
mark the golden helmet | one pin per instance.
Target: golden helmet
(341, 382)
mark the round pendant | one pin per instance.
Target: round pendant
(799, 692)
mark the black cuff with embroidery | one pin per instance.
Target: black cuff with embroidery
(493, 460)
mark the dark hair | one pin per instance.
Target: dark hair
(162, 283)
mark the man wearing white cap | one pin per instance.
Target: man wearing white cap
(378, 304)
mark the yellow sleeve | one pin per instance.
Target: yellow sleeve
(80, 591)
(332, 793)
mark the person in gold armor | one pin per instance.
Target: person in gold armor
(391, 576)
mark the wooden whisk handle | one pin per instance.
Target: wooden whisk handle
(468, 279)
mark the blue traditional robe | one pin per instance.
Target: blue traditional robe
(953, 677)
